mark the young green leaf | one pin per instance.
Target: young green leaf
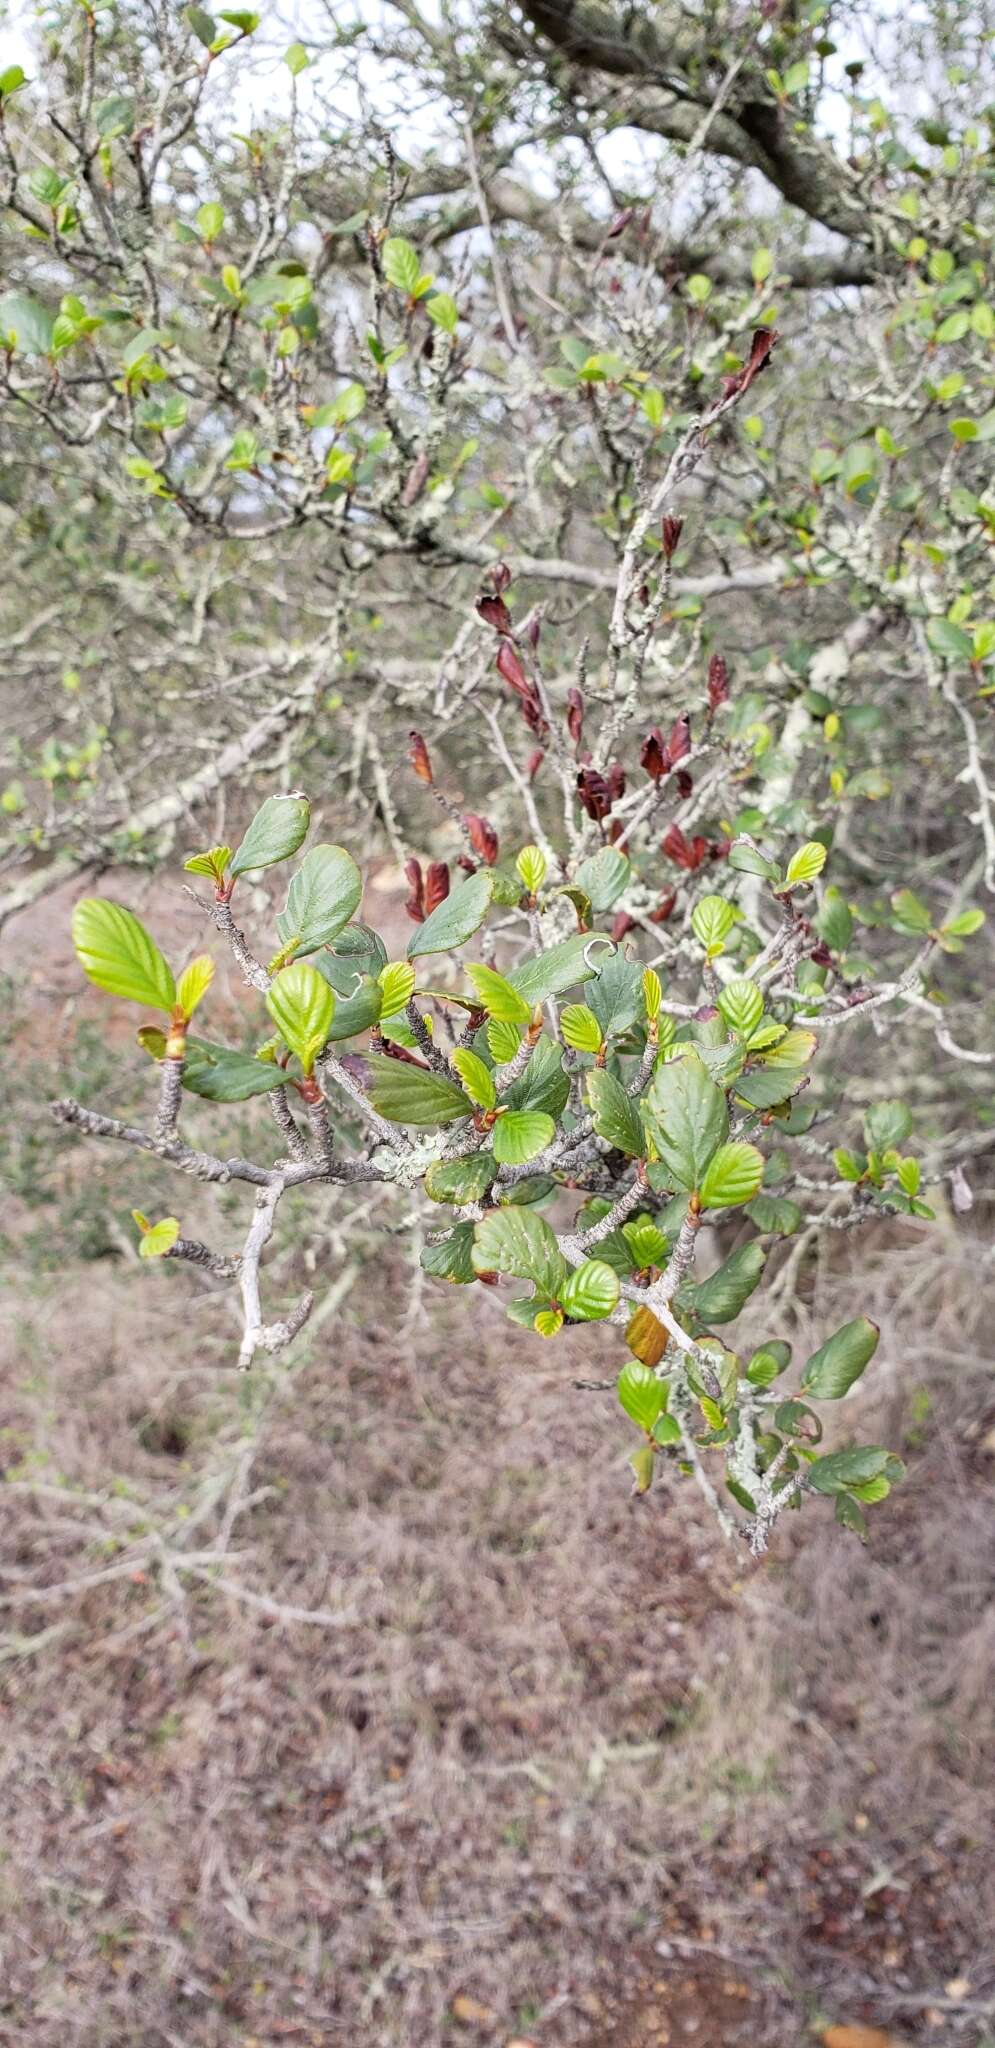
(276, 832)
(498, 997)
(397, 981)
(476, 1078)
(767, 1364)
(590, 1293)
(712, 920)
(194, 983)
(503, 1040)
(531, 865)
(520, 1135)
(213, 863)
(642, 1395)
(302, 1005)
(117, 954)
(580, 1028)
(732, 1176)
(741, 1005)
(159, 1238)
(805, 865)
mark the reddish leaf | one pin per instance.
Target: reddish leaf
(534, 763)
(418, 755)
(468, 866)
(483, 837)
(594, 794)
(575, 716)
(687, 853)
(763, 342)
(620, 223)
(500, 577)
(685, 784)
(621, 924)
(652, 754)
(664, 908)
(494, 612)
(415, 904)
(670, 534)
(509, 666)
(532, 631)
(616, 781)
(719, 849)
(436, 885)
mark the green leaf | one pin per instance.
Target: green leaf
(602, 877)
(159, 1238)
(451, 1260)
(590, 1293)
(275, 833)
(460, 1180)
(741, 1005)
(358, 950)
(724, 1295)
(733, 1175)
(531, 866)
(476, 1078)
(616, 1116)
(849, 1516)
(910, 913)
(616, 995)
(322, 897)
(519, 1242)
(687, 1118)
(548, 1322)
(217, 1074)
(748, 860)
(408, 1095)
(580, 1028)
(401, 266)
(443, 310)
(642, 1395)
(965, 924)
(553, 972)
(28, 321)
(767, 1364)
(775, 1213)
(840, 1469)
(12, 80)
(835, 922)
(302, 1006)
(804, 865)
(456, 918)
(832, 1370)
(203, 25)
(397, 981)
(114, 116)
(761, 265)
(296, 59)
(194, 983)
(356, 1012)
(647, 1244)
(886, 1124)
(949, 640)
(210, 219)
(520, 1135)
(498, 997)
(765, 1087)
(643, 1467)
(712, 920)
(544, 1085)
(117, 954)
(503, 1040)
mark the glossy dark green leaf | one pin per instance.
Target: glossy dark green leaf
(616, 1117)
(725, 1294)
(685, 1112)
(321, 899)
(221, 1075)
(832, 1370)
(409, 1095)
(277, 830)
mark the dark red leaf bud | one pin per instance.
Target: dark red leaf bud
(593, 792)
(575, 716)
(651, 755)
(664, 908)
(533, 630)
(679, 743)
(670, 534)
(494, 612)
(685, 784)
(500, 577)
(621, 924)
(620, 223)
(534, 763)
(509, 666)
(616, 781)
(718, 682)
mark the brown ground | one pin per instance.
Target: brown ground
(542, 1764)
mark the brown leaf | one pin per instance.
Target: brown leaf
(470, 2012)
(858, 2037)
(418, 755)
(483, 837)
(646, 1337)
